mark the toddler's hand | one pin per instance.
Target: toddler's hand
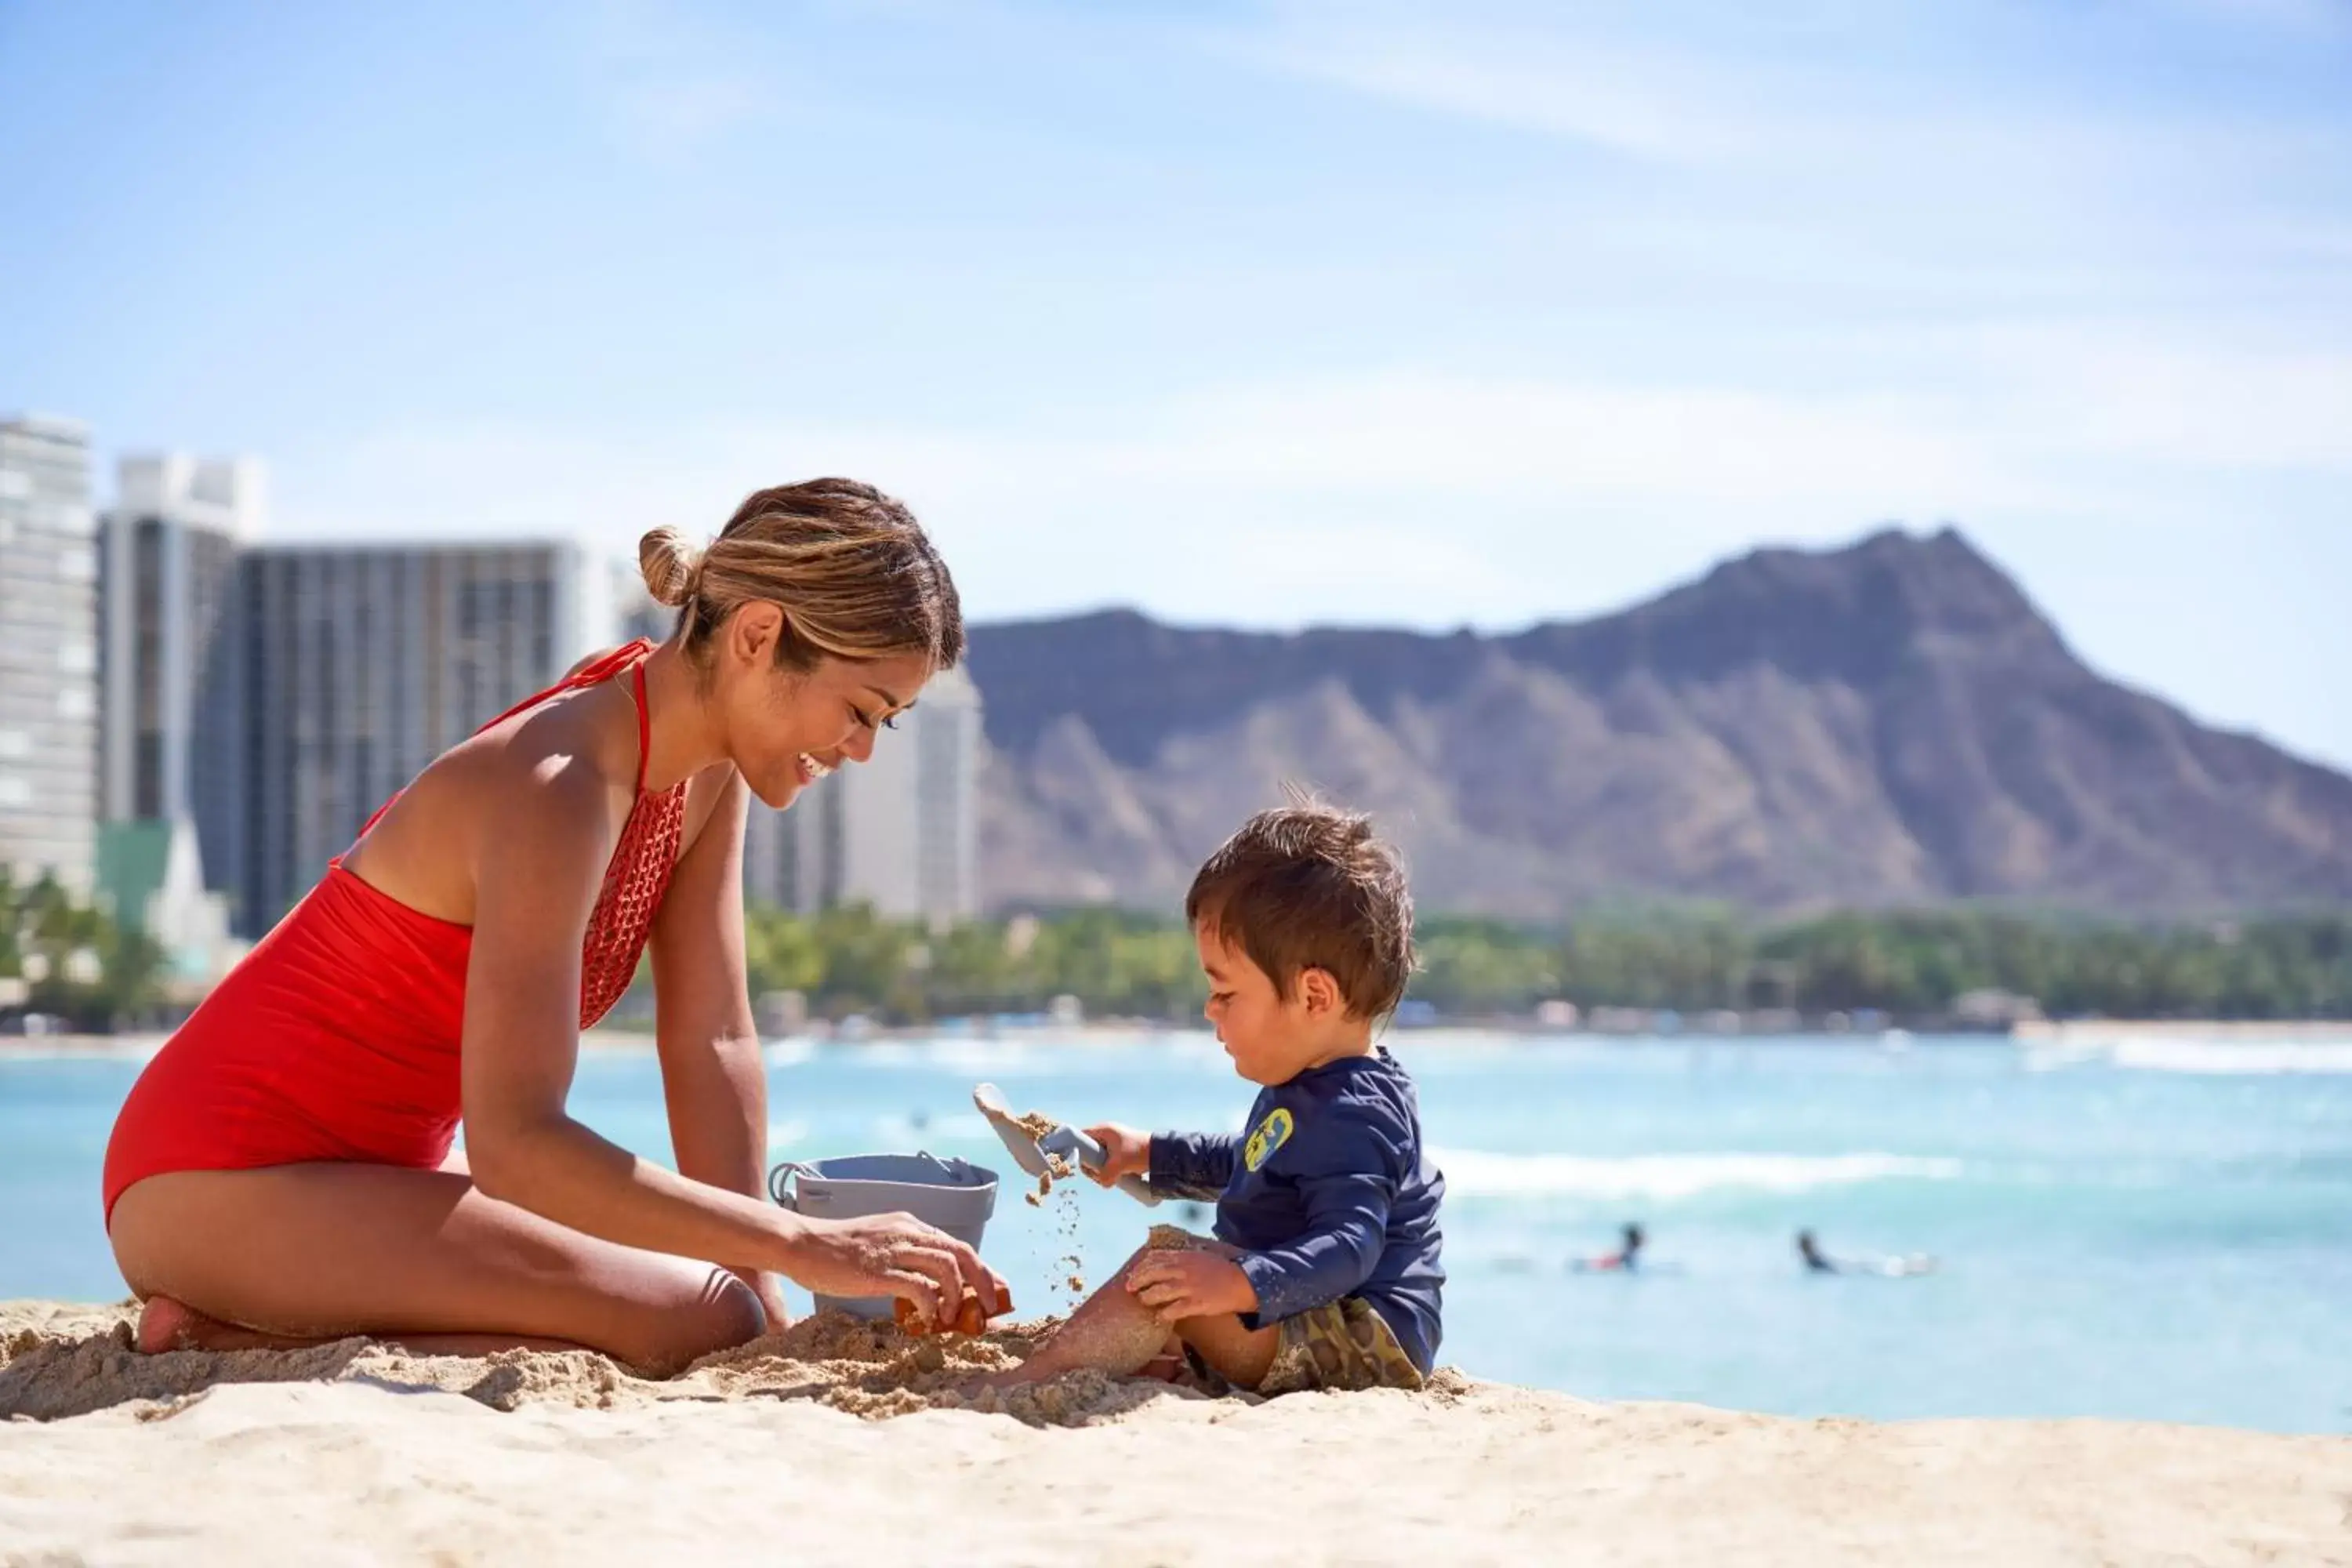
(1177, 1285)
(1126, 1153)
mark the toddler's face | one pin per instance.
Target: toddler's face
(1271, 1040)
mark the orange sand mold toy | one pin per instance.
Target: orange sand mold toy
(971, 1318)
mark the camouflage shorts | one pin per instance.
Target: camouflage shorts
(1341, 1344)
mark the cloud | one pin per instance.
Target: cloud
(1334, 442)
(1862, 113)
(1295, 471)
(2093, 392)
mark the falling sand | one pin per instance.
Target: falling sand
(1069, 1264)
(1037, 1125)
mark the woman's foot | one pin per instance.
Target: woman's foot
(170, 1324)
(165, 1324)
(162, 1322)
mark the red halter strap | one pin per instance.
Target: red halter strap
(645, 724)
(603, 668)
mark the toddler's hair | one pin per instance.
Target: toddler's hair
(1308, 886)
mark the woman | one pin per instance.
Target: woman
(283, 1170)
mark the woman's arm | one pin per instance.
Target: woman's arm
(548, 828)
(712, 1078)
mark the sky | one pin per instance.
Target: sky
(1479, 313)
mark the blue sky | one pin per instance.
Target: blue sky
(1258, 314)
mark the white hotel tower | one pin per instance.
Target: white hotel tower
(168, 739)
(898, 832)
(48, 653)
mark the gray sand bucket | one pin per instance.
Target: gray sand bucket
(954, 1195)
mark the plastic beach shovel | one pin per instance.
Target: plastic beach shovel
(1066, 1143)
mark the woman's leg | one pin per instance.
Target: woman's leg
(165, 1324)
(168, 1325)
(294, 1254)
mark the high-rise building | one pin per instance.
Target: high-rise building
(947, 745)
(898, 832)
(168, 701)
(358, 665)
(635, 613)
(48, 652)
(772, 853)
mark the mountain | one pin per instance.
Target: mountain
(1893, 722)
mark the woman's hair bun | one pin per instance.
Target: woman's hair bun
(851, 568)
(668, 566)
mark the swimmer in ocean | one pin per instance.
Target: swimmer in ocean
(1904, 1267)
(1626, 1259)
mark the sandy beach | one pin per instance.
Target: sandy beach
(833, 1443)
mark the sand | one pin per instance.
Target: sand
(837, 1443)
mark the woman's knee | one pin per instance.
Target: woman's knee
(722, 1312)
(735, 1315)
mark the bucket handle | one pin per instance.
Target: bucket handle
(779, 1180)
(780, 1183)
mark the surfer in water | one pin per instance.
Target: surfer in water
(1816, 1261)
(1626, 1259)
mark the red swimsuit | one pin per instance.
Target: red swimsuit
(337, 1036)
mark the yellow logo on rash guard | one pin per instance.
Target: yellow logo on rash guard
(1271, 1134)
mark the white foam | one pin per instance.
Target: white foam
(1471, 1173)
(1010, 1055)
(2058, 1058)
(90, 1049)
(2234, 1057)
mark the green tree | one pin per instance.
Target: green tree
(83, 967)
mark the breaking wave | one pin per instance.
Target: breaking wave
(1471, 1173)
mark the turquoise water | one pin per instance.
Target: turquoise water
(2158, 1230)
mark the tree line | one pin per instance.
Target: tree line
(1910, 964)
(62, 958)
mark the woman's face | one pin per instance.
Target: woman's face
(785, 728)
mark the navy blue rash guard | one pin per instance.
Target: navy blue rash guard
(1327, 1194)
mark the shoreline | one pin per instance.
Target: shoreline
(2088, 1032)
(142, 1043)
(841, 1445)
(2228, 1031)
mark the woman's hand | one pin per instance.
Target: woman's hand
(894, 1255)
(1126, 1153)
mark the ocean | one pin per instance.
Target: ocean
(2149, 1228)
